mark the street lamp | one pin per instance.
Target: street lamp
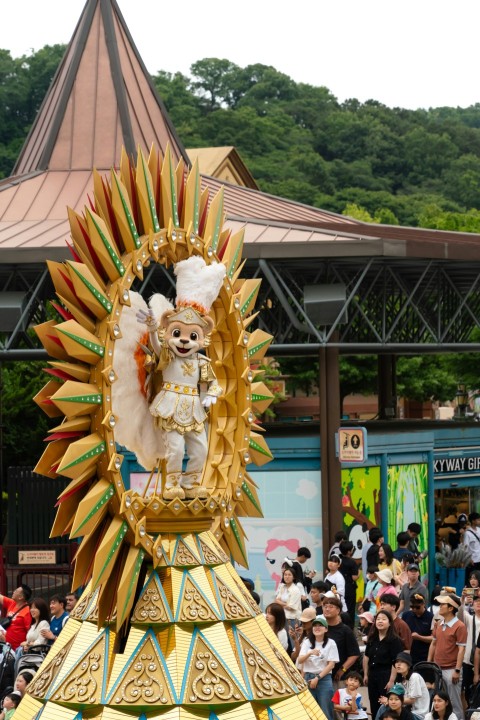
(461, 400)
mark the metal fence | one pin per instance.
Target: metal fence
(36, 566)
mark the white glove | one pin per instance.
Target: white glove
(209, 400)
(146, 318)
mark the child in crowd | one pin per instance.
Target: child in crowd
(366, 621)
(10, 704)
(335, 580)
(371, 588)
(348, 700)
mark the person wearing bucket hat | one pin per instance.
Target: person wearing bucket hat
(318, 655)
(395, 702)
(299, 632)
(386, 582)
(366, 621)
(417, 697)
(447, 648)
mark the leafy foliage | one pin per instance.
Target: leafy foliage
(365, 160)
(24, 426)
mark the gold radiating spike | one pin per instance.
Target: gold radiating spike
(233, 253)
(258, 449)
(124, 214)
(48, 336)
(108, 550)
(74, 370)
(84, 319)
(215, 220)
(80, 343)
(44, 399)
(105, 246)
(85, 557)
(92, 509)
(88, 290)
(51, 458)
(146, 195)
(83, 245)
(76, 398)
(192, 200)
(128, 583)
(169, 192)
(81, 455)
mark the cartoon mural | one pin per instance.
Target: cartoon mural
(407, 491)
(361, 504)
(291, 503)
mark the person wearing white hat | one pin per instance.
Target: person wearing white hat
(385, 578)
(318, 656)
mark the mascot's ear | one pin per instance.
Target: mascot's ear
(165, 318)
(210, 324)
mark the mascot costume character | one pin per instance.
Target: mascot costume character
(177, 408)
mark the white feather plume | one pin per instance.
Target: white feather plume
(135, 427)
(197, 282)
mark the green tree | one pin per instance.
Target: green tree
(213, 81)
(25, 425)
(462, 181)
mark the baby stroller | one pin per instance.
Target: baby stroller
(32, 659)
(432, 674)
(473, 712)
(7, 664)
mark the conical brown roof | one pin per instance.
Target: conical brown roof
(101, 98)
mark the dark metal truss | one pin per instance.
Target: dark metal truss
(392, 305)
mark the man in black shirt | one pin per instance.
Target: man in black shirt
(419, 620)
(350, 572)
(376, 538)
(347, 645)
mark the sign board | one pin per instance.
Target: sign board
(352, 444)
(37, 557)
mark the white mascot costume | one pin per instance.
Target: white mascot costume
(177, 408)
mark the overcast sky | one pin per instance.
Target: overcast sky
(413, 53)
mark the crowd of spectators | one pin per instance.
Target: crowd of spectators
(28, 628)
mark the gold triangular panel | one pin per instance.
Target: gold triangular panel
(264, 679)
(195, 600)
(289, 668)
(50, 668)
(242, 589)
(143, 680)
(234, 608)
(152, 606)
(209, 539)
(185, 553)
(84, 683)
(83, 606)
(210, 554)
(210, 678)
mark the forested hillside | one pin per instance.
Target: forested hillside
(380, 164)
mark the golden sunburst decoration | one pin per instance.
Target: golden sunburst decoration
(148, 213)
(164, 627)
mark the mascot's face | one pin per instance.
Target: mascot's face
(184, 339)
